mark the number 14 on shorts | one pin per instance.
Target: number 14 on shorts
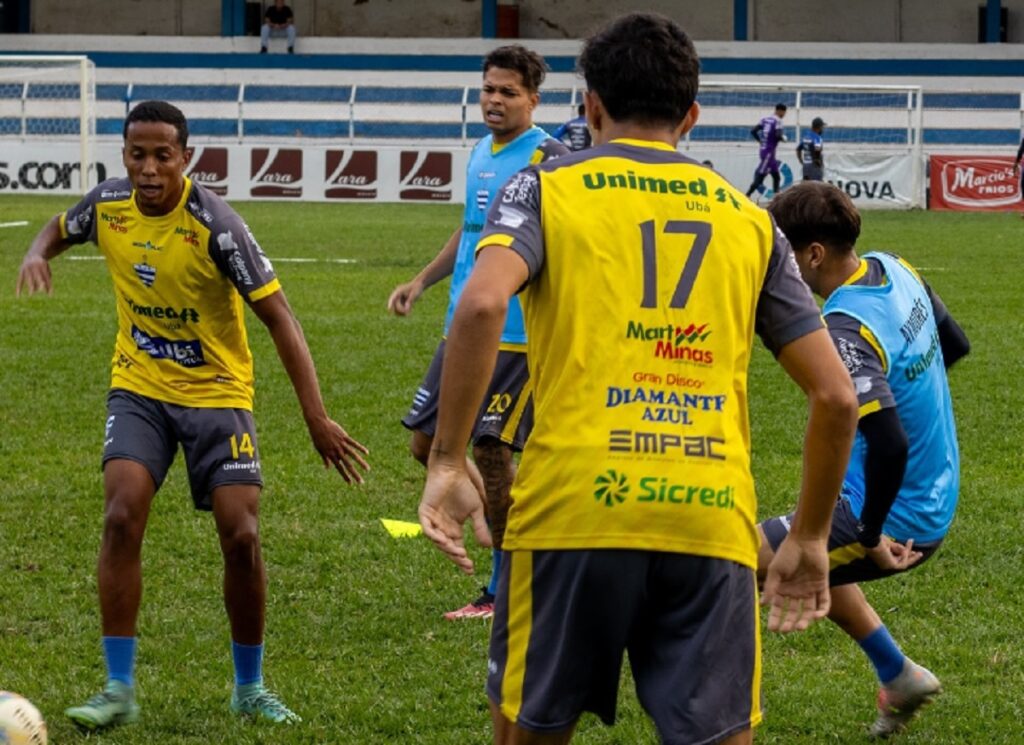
(242, 446)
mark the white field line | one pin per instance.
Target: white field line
(15, 224)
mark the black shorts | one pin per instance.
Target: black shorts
(814, 173)
(506, 413)
(219, 444)
(564, 618)
(848, 560)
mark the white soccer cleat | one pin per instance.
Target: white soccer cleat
(900, 699)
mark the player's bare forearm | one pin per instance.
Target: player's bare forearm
(403, 297)
(494, 460)
(34, 273)
(443, 264)
(469, 358)
(335, 446)
(472, 348)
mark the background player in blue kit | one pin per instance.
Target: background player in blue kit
(900, 491)
(574, 133)
(508, 97)
(769, 133)
(809, 151)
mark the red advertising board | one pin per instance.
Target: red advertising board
(976, 183)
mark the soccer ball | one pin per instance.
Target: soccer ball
(20, 721)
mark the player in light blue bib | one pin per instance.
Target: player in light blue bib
(508, 96)
(900, 490)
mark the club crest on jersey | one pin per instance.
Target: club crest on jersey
(226, 241)
(145, 273)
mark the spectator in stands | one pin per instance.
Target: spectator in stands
(769, 133)
(278, 21)
(809, 151)
(574, 133)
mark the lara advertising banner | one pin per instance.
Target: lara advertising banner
(289, 171)
(976, 183)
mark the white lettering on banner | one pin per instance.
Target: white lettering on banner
(978, 182)
(873, 180)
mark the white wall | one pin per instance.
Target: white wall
(932, 21)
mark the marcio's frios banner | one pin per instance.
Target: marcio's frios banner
(974, 183)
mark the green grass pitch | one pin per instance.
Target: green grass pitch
(355, 639)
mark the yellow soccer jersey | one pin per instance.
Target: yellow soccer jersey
(179, 281)
(649, 275)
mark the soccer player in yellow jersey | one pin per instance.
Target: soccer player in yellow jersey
(643, 277)
(182, 262)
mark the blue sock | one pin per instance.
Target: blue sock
(248, 663)
(492, 588)
(119, 652)
(884, 653)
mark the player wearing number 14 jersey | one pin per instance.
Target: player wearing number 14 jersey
(183, 265)
(643, 277)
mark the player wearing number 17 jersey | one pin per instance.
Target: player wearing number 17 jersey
(643, 277)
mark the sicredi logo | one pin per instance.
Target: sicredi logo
(425, 175)
(275, 172)
(350, 174)
(210, 168)
(980, 182)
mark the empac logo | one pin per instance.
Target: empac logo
(664, 443)
(425, 175)
(210, 168)
(350, 174)
(275, 172)
(980, 182)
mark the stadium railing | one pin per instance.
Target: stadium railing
(447, 114)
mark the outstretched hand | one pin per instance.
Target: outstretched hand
(34, 276)
(796, 587)
(449, 499)
(339, 449)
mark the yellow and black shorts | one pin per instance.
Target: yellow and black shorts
(563, 620)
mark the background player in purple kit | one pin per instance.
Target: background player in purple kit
(769, 133)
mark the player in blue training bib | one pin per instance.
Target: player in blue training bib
(900, 490)
(508, 96)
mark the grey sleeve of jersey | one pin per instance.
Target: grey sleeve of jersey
(234, 249)
(862, 361)
(552, 148)
(80, 220)
(786, 309)
(515, 212)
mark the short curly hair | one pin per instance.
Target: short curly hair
(159, 111)
(530, 65)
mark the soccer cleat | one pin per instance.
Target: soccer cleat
(482, 607)
(114, 705)
(256, 701)
(901, 698)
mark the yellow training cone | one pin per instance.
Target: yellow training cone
(401, 528)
